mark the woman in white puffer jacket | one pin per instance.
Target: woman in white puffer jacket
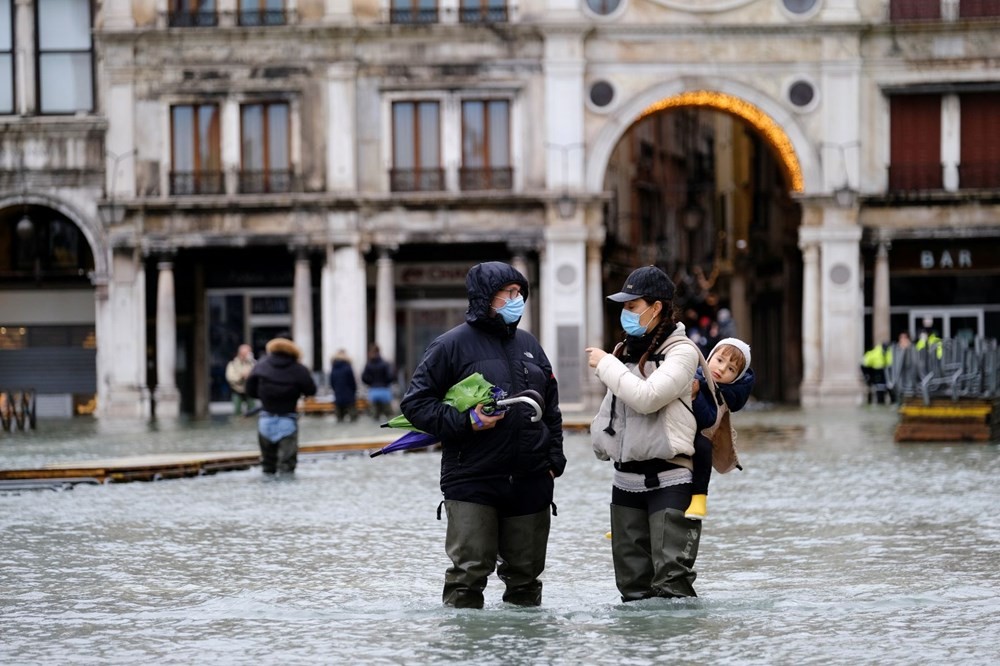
(646, 427)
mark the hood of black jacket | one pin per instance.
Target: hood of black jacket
(482, 283)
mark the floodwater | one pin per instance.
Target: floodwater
(835, 545)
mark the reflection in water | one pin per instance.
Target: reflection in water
(833, 545)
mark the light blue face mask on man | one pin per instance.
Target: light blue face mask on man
(512, 310)
(630, 322)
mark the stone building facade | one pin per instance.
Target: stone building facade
(328, 169)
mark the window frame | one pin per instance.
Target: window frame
(268, 173)
(38, 63)
(198, 174)
(13, 62)
(434, 173)
(494, 177)
(193, 17)
(265, 17)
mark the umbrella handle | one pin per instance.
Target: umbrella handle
(526, 400)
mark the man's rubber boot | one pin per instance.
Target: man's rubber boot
(268, 454)
(288, 453)
(523, 541)
(630, 551)
(471, 543)
(674, 540)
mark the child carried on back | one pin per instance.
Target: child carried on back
(729, 364)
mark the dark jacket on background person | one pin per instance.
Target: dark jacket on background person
(279, 379)
(343, 383)
(377, 373)
(506, 357)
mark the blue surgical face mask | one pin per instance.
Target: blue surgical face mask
(630, 322)
(512, 310)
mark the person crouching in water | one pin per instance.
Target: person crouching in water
(729, 363)
(278, 381)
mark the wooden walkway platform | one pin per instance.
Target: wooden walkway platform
(180, 465)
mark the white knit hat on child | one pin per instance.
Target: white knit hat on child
(739, 344)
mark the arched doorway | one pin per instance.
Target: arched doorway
(48, 340)
(702, 186)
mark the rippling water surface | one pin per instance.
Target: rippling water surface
(835, 545)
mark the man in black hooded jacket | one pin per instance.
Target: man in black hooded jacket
(497, 471)
(279, 380)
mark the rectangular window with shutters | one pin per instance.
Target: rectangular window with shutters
(264, 140)
(416, 147)
(196, 155)
(65, 56)
(486, 145)
(978, 8)
(192, 14)
(6, 57)
(915, 143)
(980, 144)
(914, 10)
(413, 11)
(262, 12)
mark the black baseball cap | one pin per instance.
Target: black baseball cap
(648, 282)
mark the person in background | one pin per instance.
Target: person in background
(646, 426)
(497, 470)
(873, 365)
(378, 377)
(237, 371)
(279, 380)
(345, 386)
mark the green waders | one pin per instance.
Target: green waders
(471, 542)
(281, 456)
(523, 540)
(476, 537)
(654, 553)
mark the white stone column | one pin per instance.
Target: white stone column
(117, 15)
(327, 322)
(341, 147)
(302, 314)
(563, 307)
(564, 67)
(811, 319)
(951, 141)
(840, 302)
(349, 306)
(519, 262)
(231, 148)
(121, 366)
(25, 93)
(385, 307)
(880, 296)
(167, 400)
(595, 295)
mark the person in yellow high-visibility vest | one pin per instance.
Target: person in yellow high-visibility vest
(873, 365)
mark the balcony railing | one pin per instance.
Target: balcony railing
(254, 17)
(497, 178)
(197, 182)
(420, 16)
(416, 180)
(187, 18)
(482, 14)
(915, 177)
(979, 175)
(978, 8)
(264, 182)
(914, 10)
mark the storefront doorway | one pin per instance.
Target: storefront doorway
(425, 320)
(242, 316)
(965, 323)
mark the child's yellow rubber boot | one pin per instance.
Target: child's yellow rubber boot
(698, 507)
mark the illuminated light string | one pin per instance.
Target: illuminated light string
(740, 108)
